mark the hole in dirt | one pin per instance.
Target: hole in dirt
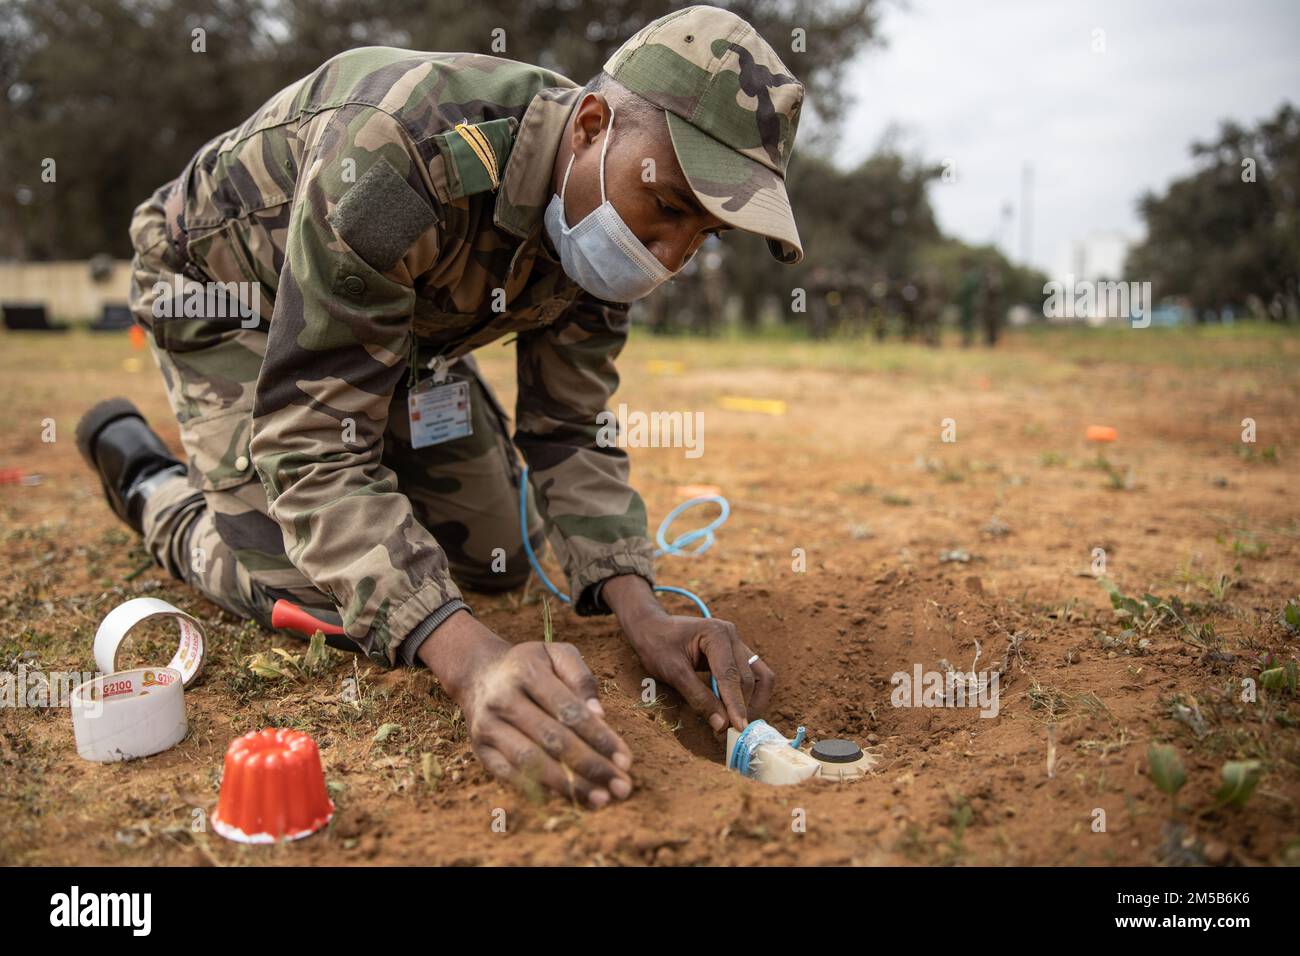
(697, 736)
(821, 718)
(692, 732)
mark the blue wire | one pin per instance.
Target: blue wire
(528, 548)
(677, 546)
(685, 593)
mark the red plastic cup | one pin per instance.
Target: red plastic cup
(273, 788)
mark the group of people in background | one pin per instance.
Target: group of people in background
(848, 302)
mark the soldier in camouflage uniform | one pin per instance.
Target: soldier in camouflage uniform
(933, 299)
(993, 304)
(380, 220)
(968, 299)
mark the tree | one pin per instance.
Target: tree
(116, 94)
(1228, 234)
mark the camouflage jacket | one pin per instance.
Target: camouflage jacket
(377, 231)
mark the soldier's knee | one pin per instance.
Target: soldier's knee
(503, 569)
(493, 582)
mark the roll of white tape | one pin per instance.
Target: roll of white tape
(129, 714)
(119, 622)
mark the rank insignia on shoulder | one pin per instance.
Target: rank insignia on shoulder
(476, 155)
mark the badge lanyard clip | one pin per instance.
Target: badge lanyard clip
(439, 365)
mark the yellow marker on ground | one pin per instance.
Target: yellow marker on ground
(665, 367)
(763, 406)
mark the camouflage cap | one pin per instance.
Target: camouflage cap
(732, 109)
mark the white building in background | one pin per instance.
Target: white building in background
(1098, 257)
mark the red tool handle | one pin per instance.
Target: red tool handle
(291, 617)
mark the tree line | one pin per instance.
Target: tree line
(104, 100)
(1227, 236)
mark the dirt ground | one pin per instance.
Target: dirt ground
(918, 552)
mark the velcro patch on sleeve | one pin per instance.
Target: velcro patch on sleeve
(476, 155)
(381, 216)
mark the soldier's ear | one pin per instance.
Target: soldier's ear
(591, 116)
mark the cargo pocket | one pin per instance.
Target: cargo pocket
(217, 446)
(200, 315)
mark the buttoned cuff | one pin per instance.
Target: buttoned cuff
(411, 643)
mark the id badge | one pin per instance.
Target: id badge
(439, 412)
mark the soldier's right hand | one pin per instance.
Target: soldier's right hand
(532, 711)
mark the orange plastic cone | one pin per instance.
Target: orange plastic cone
(273, 788)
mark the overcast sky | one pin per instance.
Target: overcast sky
(991, 85)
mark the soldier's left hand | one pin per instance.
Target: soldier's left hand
(674, 647)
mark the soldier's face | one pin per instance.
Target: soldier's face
(643, 180)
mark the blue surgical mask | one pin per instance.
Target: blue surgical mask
(600, 253)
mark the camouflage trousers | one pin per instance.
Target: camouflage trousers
(211, 528)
